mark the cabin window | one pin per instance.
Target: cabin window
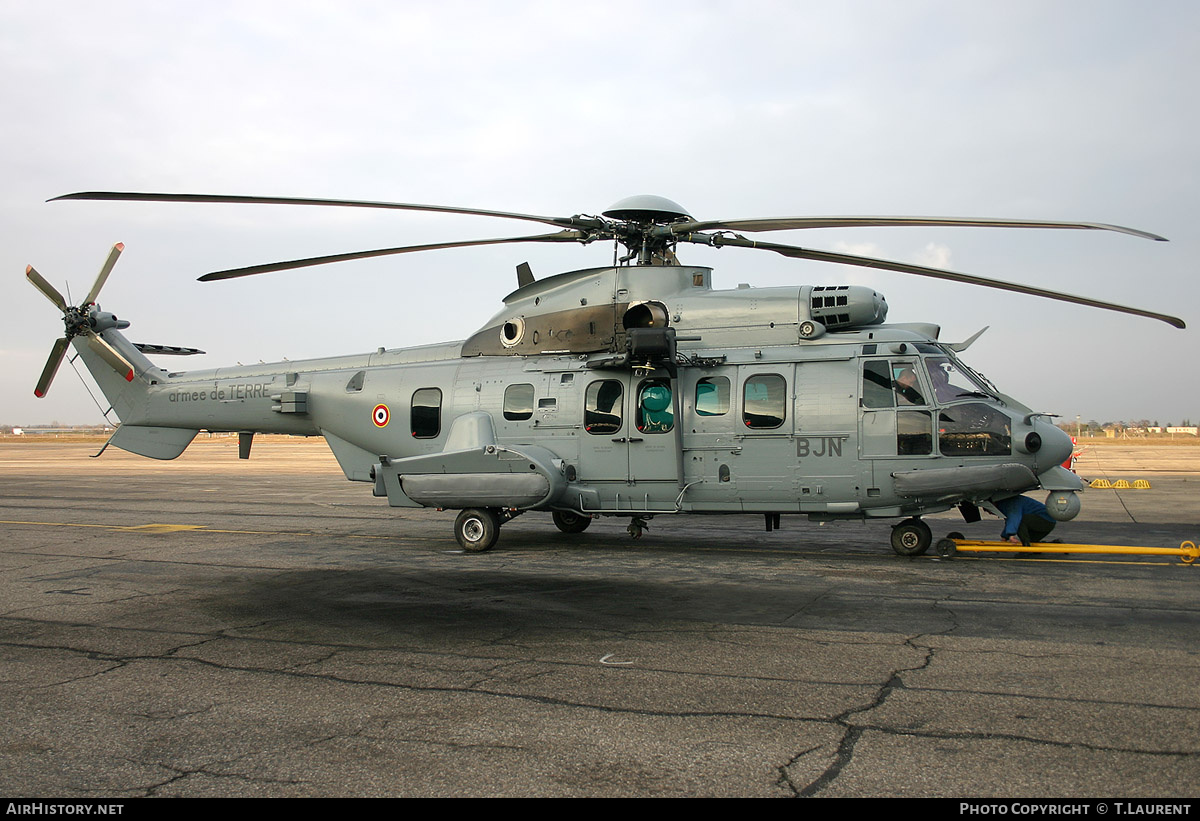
(712, 396)
(356, 382)
(518, 402)
(974, 429)
(655, 413)
(914, 433)
(426, 413)
(602, 407)
(764, 401)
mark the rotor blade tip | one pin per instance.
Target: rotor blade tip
(120, 246)
(38, 394)
(28, 268)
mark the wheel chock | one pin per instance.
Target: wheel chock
(1120, 484)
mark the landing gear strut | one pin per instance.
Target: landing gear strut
(911, 537)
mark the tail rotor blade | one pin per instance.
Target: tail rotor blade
(110, 355)
(105, 270)
(56, 358)
(49, 291)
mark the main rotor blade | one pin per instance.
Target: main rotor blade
(937, 273)
(56, 358)
(561, 236)
(787, 223)
(49, 291)
(110, 355)
(102, 277)
(561, 222)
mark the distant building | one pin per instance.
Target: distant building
(1190, 430)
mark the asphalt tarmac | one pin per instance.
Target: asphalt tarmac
(211, 627)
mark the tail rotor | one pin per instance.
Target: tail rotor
(84, 320)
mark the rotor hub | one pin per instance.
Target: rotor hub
(76, 321)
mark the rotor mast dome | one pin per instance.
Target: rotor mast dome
(647, 208)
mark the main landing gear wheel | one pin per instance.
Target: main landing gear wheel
(477, 529)
(569, 522)
(911, 537)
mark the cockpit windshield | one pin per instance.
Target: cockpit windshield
(953, 381)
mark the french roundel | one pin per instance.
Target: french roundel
(380, 416)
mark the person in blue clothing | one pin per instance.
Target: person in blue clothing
(1026, 521)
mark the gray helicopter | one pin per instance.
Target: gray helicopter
(633, 390)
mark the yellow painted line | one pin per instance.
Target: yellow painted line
(161, 528)
(169, 528)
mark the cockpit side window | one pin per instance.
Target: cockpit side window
(906, 384)
(914, 433)
(890, 384)
(877, 384)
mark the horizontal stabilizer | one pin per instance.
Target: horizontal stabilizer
(153, 442)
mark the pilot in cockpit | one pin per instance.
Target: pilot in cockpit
(906, 388)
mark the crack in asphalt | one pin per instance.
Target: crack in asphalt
(853, 733)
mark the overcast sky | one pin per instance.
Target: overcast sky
(1062, 111)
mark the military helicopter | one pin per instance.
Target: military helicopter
(633, 390)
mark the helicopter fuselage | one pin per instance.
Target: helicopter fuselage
(747, 416)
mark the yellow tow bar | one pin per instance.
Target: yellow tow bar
(946, 548)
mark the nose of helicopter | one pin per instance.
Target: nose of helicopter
(1056, 444)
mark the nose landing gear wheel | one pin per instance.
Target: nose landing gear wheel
(911, 537)
(477, 529)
